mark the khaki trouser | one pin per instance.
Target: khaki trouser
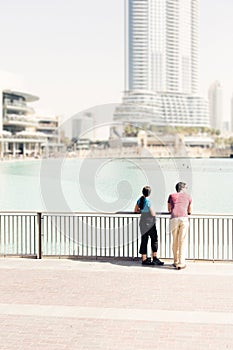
(179, 228)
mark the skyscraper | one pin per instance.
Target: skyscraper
(232, 114)
(216, 105)
(161, 65)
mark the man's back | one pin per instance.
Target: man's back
(180, 203)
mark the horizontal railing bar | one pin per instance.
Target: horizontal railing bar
(118, 214)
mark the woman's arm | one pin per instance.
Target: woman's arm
(137, 209)
(152, 213)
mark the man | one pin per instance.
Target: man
(179, 205)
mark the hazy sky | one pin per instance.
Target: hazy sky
(70, 53)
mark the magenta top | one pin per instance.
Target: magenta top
(179, 204)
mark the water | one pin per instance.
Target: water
(110, 185)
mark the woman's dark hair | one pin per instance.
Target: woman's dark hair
(180, 186)
(146, 192)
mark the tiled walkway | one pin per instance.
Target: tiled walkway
(65, 304)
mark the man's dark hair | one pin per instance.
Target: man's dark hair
(180, 186)
(146, 192)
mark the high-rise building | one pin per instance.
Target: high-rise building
(216, 105)
(232, 114)
(161, 65)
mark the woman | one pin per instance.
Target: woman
(147, 228)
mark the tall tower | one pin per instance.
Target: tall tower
(216, 105)
(163, 48)
(232, 114)
(162, 58)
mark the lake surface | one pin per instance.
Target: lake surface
(111, 185)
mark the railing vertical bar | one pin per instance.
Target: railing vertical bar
(74, 236)
(30, 234)
(69, 233)
(114, 236)
(91, 236)
(83, 237)
(60, 235)
(47, 233)
(119, 237)
(0, 234)
(16, 234)
(123, 236)
(162, 237)
(50, 243)
(127, 219)
(78, 243)
(96, 237)
(3, 234)
(133, 224)
(35, 235)
(55, 235)
(137, 238)
(223, 239)
(213, 239)
(21, 234)
(194, 237)
(51, 234)
(218, 230)
(39, 224)
(203, 238)
(110, 236)
(208, 239)
(232, 238)
(228, 240)
(163, 233)
(13, 235)
(8, 234)
(168, 239)
(105, 235)
(100, 235)
(66, 223)
(198, 237)
(64, 235)
(26, 235)
(86, 237)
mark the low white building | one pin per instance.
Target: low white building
(22, 132)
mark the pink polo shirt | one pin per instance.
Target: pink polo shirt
(179, 204)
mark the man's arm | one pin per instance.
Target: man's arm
(169, 207)
(190, 209)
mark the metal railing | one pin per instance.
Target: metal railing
(108, 235)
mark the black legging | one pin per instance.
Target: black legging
(152, 233)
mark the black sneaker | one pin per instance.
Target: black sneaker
(147, 262)
(181, 267)
(157, 261)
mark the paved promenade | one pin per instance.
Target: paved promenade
(67, 304)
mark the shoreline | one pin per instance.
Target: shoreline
(120, 156)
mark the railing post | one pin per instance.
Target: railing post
(39, 223)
